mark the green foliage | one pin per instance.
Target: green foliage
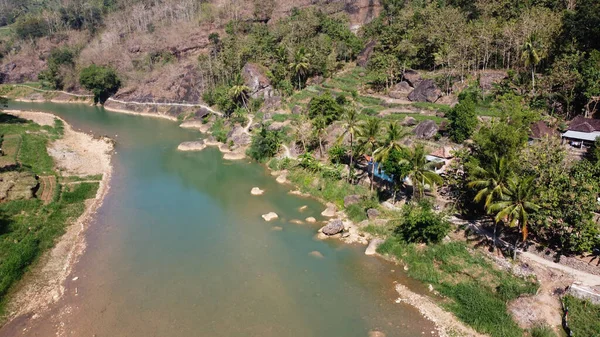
(395, 166)
(265, 144)
(31, 27)
(467, 279)
(584, 317)
(542, 330)
(420, 224)
(53, 74)
(219, 131)
(103, 82)
(337, 154)
(463, 120)
(325, 106)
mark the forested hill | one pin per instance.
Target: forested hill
(176, 50)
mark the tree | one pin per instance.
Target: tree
(395, 167)
(325, 106)
(394, 134)
(463, 120)
(491, 183)
(239, 92)
(101, 81)
(351, 128)
(530, 58)
(300, 66)
(367, 138)
(516, 206)
(319, 126)
(420, 224)
(419, 170)
(265, 144)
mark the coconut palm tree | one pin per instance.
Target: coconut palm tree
(491, 183)
(320, 126)
(394, 134)
(367, 138)
(239, 91)
(514, 209)
(531, 58)
(351, 127)
(300, 65)
(420, 172)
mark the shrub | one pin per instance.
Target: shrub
(511, 288)
(101, 81)
(31, 27)
(420, 224)
(265, 144)
(463, 120)
(324, 106)
(542, 331)
(337, 154)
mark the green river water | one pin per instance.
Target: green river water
(179, 248)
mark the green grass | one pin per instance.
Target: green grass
(541, 330)
(10, 149)
(477, 292)
(326, 189)
(418, 117)
(432, 106)
(584, 317)
(28, 228)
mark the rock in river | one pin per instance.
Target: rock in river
(372, 247)
(310, 219)
(333, 227)
(270, 216)
(330, 211)
(192, 146)
(256, 191)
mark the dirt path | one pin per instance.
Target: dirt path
(48, 184)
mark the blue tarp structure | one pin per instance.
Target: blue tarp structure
(379, 173)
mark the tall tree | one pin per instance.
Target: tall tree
(530, 58)
(239, 92)
(351, 126)
(420, 171)
(368, 140)
(319, 126)
(516, 207)
(300, 66)
(394, 134)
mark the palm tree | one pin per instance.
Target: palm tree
(516, 206)
(367, 138)
(351, 127)
(239, 91)
(320, 126)
(531, 58)
(491, 184)
(300, 65)
(420, 171)
(394, 134)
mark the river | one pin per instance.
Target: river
(179, 248)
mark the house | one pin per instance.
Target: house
(441, 158)
(582, 131)
(539, 130)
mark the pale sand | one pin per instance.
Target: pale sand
(44, 283)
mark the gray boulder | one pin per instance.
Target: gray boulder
(365, 55)
(426, 91)
(412, 77)
(297, 110)
(426, 129)
(238, 136)
(409, 121)
(351, 200)
(276, 126)
(256, 79)
(372, 213)
(400, 90)
(333, 227)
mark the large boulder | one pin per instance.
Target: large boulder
(409, 121)
(400, 90)
(329, 211)
(426, 129)
(372, 213)
(426, 91)
(351, 199)
(333, 227)
(256, 79)
(239, 136)
(198, 145)
(365, 55)
(412, 77)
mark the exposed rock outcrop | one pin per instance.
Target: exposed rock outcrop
(373, 245)
(409, 121)
(412, 77)
(365, 55)
(426, 91)
(372, 213)
(198, 145)
(426, 129)
(329, 211)
(270, 216)
(400, 90)
(239, 136)
(351, 199)
(256, 191)
(256, 79)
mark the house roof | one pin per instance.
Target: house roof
(588, 136)
(443, 152)
(540, 129)
(582, 124)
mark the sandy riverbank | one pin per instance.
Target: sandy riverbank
(75, 154)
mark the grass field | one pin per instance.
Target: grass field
(28, 228)
(475, 291)
(584, 317)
